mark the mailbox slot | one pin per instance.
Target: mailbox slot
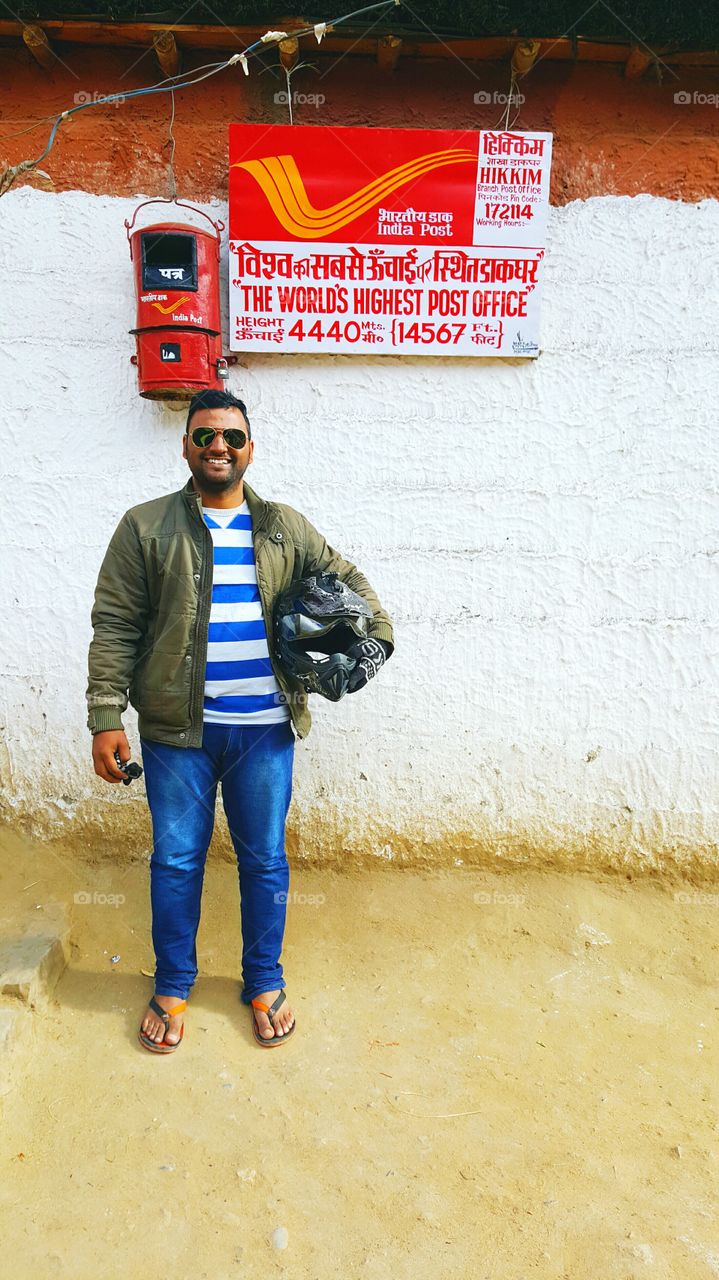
(169, 260)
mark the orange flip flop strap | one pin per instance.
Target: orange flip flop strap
(166, 1014)
(270, 1009)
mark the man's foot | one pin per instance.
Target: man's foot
(282, 1021)
(154, 1027)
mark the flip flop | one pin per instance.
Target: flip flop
(162, 1046)
(270, 1009)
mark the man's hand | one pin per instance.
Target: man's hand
(369, 655)
(104, 746)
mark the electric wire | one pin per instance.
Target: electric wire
(12, 172)
(171, 161)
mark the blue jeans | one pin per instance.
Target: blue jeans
(255, 767)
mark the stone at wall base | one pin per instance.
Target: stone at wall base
(33, 955)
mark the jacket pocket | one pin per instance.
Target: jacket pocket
(161, 692)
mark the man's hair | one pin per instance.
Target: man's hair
(216, 400)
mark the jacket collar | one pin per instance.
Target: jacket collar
(260, 510)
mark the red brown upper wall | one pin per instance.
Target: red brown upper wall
(613, 136)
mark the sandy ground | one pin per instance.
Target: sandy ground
(493, 1076)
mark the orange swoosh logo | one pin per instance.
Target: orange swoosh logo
(281, 182)
(173, 305)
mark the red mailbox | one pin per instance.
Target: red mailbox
(177, 286)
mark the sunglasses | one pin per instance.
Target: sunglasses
(234, 437)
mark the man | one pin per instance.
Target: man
(182, 628)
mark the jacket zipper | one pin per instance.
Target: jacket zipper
(201, 621)
(279, 675)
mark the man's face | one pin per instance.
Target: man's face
(217, 468)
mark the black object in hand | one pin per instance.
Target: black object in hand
(369, 656)
(131, 769)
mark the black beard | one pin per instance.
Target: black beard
(228, 479)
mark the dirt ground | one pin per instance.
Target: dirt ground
(495, 1076)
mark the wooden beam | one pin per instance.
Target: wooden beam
(637, 62)
(234, 39)
(388, 50)
(166, 52)
(289, 52)
(524, 56)
(290, 48)
(39, 46)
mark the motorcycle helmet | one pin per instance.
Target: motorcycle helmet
(317, 620)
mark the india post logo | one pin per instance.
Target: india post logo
(280, 181)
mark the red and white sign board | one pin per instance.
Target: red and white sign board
(416, 241)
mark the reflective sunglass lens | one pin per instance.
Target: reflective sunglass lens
(202, 436)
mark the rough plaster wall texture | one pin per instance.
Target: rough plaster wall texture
(545, 534)
(612, 135)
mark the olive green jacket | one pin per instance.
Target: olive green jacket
(152, 610)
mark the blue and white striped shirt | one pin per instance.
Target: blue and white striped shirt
(240, 686)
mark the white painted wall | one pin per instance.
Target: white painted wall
(545, 534)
